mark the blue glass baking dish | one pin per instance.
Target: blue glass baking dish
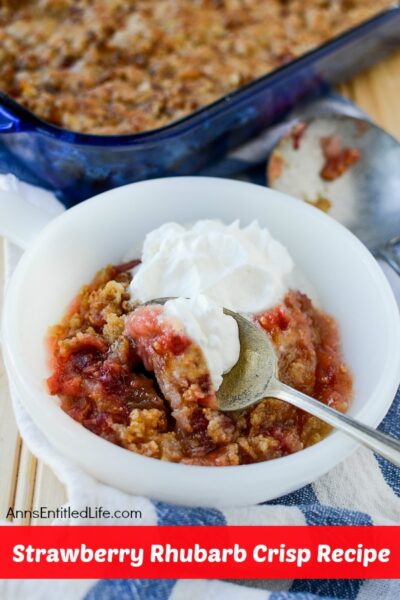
(77, 166)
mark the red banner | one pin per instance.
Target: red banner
(225, 552)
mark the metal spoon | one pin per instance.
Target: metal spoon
(366, 198)
(255, 376)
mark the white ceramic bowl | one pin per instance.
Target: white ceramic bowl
(76, 244)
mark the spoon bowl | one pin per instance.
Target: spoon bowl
(249, 379)
(365, 197)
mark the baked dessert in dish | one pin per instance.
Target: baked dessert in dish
(113, 67)
(145, 376)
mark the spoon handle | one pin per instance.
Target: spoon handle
(380, 443)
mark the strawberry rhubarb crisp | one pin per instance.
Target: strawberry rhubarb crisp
(145, 376)
(120, 67)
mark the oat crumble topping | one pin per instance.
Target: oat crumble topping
(117, 67)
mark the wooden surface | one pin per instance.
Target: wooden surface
(27, 484)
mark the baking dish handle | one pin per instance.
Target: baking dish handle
(20, 220)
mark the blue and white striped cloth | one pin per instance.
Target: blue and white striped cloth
(363, 490)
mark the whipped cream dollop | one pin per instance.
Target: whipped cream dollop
(246, 269)
(210, 265)
(206, 324)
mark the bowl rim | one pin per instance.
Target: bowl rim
(335, 445)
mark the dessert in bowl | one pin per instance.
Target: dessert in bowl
(349, 285)
(145, 376)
